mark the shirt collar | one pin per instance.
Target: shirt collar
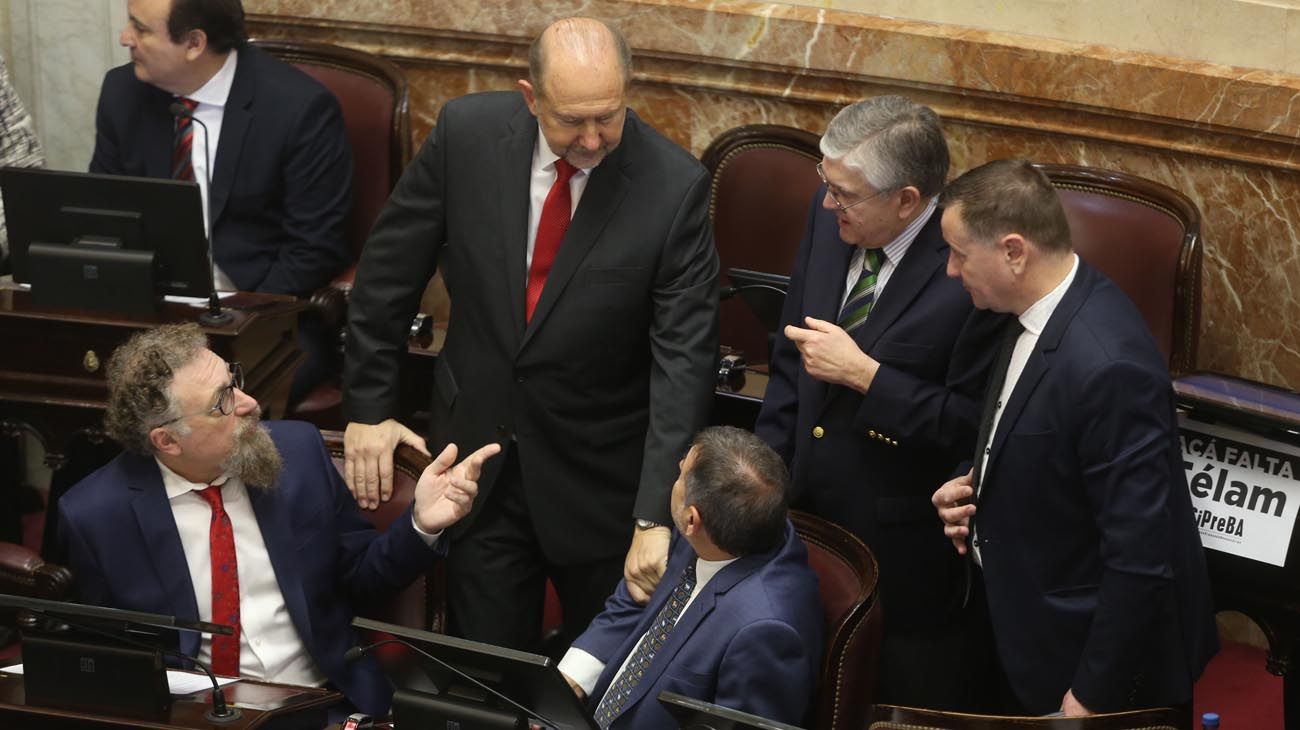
(706, 569)
(1035, 318)
(177, 485)
(544, 158)
(217, 90)
(896, 249)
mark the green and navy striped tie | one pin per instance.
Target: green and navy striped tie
(863, 295)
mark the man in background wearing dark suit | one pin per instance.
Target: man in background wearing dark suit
(1076, 511)
(210, 515)
(738, 619)
(876, 378)
(281, 165)
(576, 247)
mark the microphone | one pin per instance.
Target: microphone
(356, 652)
(214, 317)
(220, 714)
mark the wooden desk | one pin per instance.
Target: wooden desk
(263, 705)
(52, 372)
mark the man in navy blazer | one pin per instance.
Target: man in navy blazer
(281, 166)
(1081, 523)
(871, 416)
(140, 536)
(737, 619)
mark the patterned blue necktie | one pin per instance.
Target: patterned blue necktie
(611, 706)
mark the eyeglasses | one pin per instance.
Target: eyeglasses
(225, 404)
(830, 190)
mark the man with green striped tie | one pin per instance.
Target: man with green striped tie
(876, 381)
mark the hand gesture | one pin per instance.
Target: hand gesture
(445, 493)
(953, 502)
(368, 459)
(831, 356)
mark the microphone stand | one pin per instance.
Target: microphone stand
(215, 316)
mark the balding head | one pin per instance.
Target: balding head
(578, 43)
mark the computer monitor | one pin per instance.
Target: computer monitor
(696, 714)
(105, 242)
(763, 292)
(436, 696)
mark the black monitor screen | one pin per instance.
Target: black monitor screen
(109, 220)
(528, 680)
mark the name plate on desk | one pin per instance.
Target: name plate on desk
(1245, 490)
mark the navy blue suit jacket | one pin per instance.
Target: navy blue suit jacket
(879, 457)
(1094, 570)
(281, 180)
(751, 641)
(125, 552)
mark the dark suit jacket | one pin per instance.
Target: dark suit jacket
(751, 641)
(281, 180)
(881, 455)
(125, 552)
(1094, 570)
(606, 385)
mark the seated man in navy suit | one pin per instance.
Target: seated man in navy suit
(737, 619)
(1077, 513)
(280, 167)
(210, 515)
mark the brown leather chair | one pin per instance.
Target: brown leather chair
(846, 574)
(888, 717)
(422, 605)
(373, 95)
(764, 177)
(23, 572)
(1146, 237)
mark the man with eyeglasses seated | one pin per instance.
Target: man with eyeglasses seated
(210, 515)
(876, 382)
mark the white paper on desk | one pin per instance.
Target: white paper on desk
(196, 301)
(178, 683)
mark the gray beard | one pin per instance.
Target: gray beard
(254, 460)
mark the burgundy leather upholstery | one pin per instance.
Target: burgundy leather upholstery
(846, 575)
(23, 572)
(888, 717)
(422, 605)
(1145, 237)
(764, 177)
(373, 95)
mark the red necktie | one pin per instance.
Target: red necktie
(183, 143)
(225, 584)
(550, 232)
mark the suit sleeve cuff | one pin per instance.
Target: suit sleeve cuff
(583, 668)
(429, 538)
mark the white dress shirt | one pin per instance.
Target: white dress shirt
(540, 182)
(895, 250)
(211, 110)
(1034, 319)
(585, 669)
(269, 645)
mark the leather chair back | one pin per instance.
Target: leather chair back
(422, 604)
(846, 574)
(888, 717)
(373, 95)
(764, 177)
(23, 572)
(1145, 237)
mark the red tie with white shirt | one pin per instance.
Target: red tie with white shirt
(225, 583)
(551, 227)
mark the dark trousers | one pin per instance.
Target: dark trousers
(497, 575)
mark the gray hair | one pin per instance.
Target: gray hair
(741, 488)
(140, 375)
(892, 142)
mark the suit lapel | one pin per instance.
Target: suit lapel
(236, 117)
(276, 525)
(514, 172)
(153, 514)
(1040, 359)
(828, 274)
(159, 125)
(927, 252)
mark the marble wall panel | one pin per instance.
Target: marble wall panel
(1224, 136)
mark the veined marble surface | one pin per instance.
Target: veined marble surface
(1224, 136)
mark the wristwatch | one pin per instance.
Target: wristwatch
(646, 524)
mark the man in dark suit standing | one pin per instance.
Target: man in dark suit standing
(876, 378)
(281, 166)
(1076, 512)
(210, 515)
(576, 246)
(738, 620)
